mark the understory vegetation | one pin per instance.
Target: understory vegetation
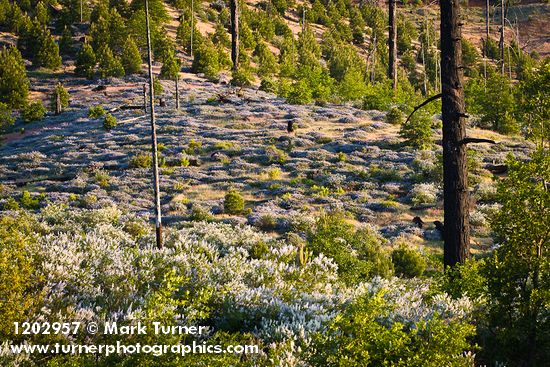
(327, 296)
(302, 200)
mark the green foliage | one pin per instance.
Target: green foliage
(206, 60)
(470, 57)
(268, 85)
(64, 97)
(361, 337)
(66, 42)
(267, 63)
(171, 67)
(418, 131)
(241, 78)
(518, 272)
(533, 103)
(14, 84)
(496, 106)
(378, 96)
(157, 11)
(353, 86)
(157, 86)
(96, 111)
(131, 58)
(408, 262)
(6, 116)
(34, 111)
(406, 33)
(220, 36)
(28, 202)
(85, 61)
(275, 155)
(183, 35)
(358, 253)
(300, 93)
(42, 15)
(246, 37)
(141, 160)
(39, 45)
(109, 122)
(109, 65)
(18, 292)
(233, 202)
(395, 116)
(492, 49)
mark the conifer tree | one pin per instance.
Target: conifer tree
(66, 42)
(109, 65)
(131, 58)
(86, 61)
(183, 36)
(14, 85)
(267, 63)
(59, 99)
(42, 15)
(47, 53)
(117, 32)
(171, 67)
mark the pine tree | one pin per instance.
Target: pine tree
(66, 42)
(206, 60)
(47, 51)
(171, 67)
(267, 63)
(183, 36)
(41, 14)
(109, 65)
(59, 99)
(131, 58)
(220, 36)
(117, 32)
(6, 116)
(85, 61)
(14, 85)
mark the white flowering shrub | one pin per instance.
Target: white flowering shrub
(424, 193)
(90, 268)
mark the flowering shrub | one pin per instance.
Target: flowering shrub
(424, 193)
(92, 265)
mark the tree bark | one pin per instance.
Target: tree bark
(234, 7)
(502, 19)
(177, 92)
(145, 98)
(486, 48)
(392, 45)
(158, 220)
(192, 26)
(455, 174)
(57, 102)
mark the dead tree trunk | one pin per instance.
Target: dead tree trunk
(158, 221)
(502, 19)
(234, 6)
(455, 174)
(57, 101)
(486, 48)
(145, 98)
(192, 26)
(392, 45)
(177, 92)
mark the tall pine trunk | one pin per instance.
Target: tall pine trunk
(234, 7)
(392, 45)
(158, 221)
(455, 175)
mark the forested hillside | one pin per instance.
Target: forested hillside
(303, 161)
